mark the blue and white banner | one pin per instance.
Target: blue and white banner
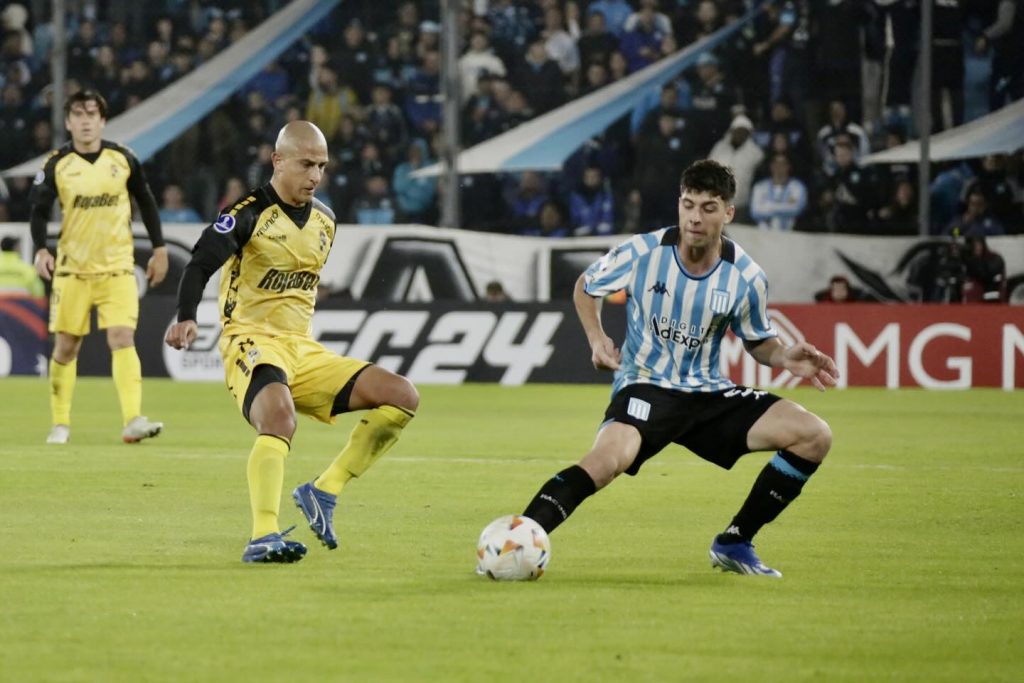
(147, 128)
(1001, 132)
(545, 142)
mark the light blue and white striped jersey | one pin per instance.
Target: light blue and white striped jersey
(675, 321)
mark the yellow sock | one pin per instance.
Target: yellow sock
(266, 477)
(127, 372)
(62, 388)
(377, 431)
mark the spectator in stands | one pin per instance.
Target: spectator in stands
(668, 99)
(615, 13)
(354, 60)
(551, 221)
(839, 125)
(937, 274)
(899, 215)
(661, 21)
(738, 150)
(838, 52)
(174, 209)
(482, 115)
(478, 59)
(17, 278)
(976, 220)
(705, 20)
(415, 197)
(514, 26)
(423, 95)
(494, 292)
(779, 200)
(712, 102)
(948, 64)
(661, 158)
(986, 273)
(329, 98)
(1004, 35)
(234, 192)
(539, 79)
(592, 206)
(385, 124)
(839, 292)
(559, 45)
(597, 43)
(641, 45)
(374, 205)
(781, 121)
(847, 192)
(530, 196)
(991, 178)
(950, 184)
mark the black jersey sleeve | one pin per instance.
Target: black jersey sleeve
(215, 246)
(41, 196)
(139, 188)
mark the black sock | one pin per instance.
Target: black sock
(559, 496)
(778, 484)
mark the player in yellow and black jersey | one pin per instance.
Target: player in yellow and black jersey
(270, 248)
(94, 180)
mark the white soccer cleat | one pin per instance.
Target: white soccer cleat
(140, 428)
(60, 434)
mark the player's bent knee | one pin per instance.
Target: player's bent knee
(817, 438)
(405, 395)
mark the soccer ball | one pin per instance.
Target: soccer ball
(513, 548)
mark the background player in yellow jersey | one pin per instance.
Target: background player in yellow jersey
(95, 263)
(272, 246)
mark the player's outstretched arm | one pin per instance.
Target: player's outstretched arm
(603, 352)
(800, 359)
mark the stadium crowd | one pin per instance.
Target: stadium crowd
(793, 103)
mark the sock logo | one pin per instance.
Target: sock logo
(777, 497)
(551, 499)
(641, 410)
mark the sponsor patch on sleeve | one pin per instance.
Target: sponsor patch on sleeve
(225, 224)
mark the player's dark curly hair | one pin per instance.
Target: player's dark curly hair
(709, 176)
(83, 96)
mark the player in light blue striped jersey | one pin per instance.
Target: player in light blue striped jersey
(686, 287)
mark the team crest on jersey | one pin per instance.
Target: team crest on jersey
(225, 224)
(323, 240)
(113, 170)
(719, 301)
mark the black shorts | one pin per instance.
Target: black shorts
(712, 425)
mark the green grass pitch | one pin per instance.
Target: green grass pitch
(902, 559)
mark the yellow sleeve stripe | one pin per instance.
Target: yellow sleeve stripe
(242, 204)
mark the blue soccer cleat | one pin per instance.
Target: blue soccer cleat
(739, 558)
(318, 507)
(273, 548)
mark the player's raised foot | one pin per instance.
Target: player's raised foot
(273, 548)
(139, 428)
(739, 558)
(318, 507)
(60, 434)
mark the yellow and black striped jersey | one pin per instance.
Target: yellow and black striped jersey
(94, 191)
(272, 254)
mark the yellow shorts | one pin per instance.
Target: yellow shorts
(315, 375)
(115, 296)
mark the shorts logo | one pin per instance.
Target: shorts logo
(225, 224)
(719, 301)
(641, 410)
(743, 392)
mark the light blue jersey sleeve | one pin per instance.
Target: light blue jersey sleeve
(612, 272)
(751, 321)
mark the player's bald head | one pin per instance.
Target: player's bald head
(300, 137)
